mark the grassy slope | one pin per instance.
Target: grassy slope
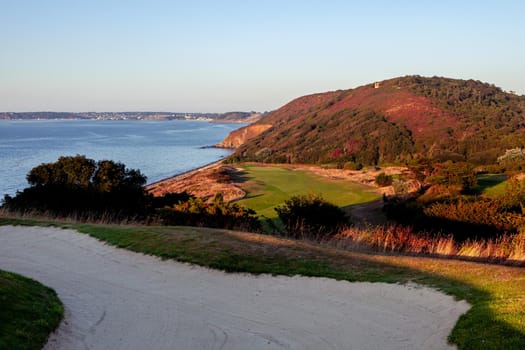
(492, 185)
(29, 311)
(495, 321)
(269, 186)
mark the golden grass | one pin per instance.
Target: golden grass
(505, 249)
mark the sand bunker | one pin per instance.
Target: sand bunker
(116, 299)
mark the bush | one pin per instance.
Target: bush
(217, 214)
(383, 180)
(311, 217)
(454, 174)
(352, 166)
(484, 213)
(82, 188)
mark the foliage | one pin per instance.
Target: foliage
(480, 213)
(409, 117)
(29, 312)
(383, 180)
(311, 216)
(66, 171)
(453, 174)
(218, 213)
(82, 187)
(514, 197)
(465, 217)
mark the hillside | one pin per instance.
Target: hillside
(389, 122)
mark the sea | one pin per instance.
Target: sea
(159, 149)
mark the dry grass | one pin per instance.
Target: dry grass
(505, 249)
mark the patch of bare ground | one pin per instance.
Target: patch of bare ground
(204, 182)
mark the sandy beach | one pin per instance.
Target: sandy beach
(117, 299)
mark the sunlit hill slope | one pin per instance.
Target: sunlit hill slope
(391, 121)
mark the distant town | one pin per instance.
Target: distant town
(230, 117)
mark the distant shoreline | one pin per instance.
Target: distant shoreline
(227, 118)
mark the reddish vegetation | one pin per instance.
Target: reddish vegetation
(389, 122)
(398, 105)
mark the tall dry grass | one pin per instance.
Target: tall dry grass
(505, 249)
(103, 218)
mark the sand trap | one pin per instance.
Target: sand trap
(116, 299)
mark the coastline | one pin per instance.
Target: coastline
(204, 182)
(185, 174)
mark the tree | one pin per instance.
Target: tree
(80, 187)
(454, 174)
(70, 171)
(110, 176)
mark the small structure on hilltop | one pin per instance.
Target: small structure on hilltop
(377, 85)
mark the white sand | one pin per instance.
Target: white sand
(116, 299)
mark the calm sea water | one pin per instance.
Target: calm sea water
(159, 149)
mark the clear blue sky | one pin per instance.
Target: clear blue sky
(217, 56)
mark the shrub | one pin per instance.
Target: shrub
(311, 217)
(514, 197)
(484, 212)
(217, 214)
(454, 174)
(352, 166)
(383, 180)
(80, 187)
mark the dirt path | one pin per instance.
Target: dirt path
(116, 299)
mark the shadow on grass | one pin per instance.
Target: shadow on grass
(239, 176)
(487, 181)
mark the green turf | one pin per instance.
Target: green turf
(268, 187)
(492, 185)
(29, 311)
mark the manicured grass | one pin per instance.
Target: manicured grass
(29, 311)
(269, 186)
(492, 185)
(495, 321)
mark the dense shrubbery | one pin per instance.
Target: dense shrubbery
(441, 209)
(486, 214)
(82, 188)
(449, 173)
(218, 213)
(383, 180)
(311, 217)
(85, 190)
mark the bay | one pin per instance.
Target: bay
(159, 149)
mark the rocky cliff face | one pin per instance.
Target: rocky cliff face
(240, 136)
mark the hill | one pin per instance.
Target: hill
(391, 121)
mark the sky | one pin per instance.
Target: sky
(219, 56)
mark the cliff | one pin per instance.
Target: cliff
(242, 135)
